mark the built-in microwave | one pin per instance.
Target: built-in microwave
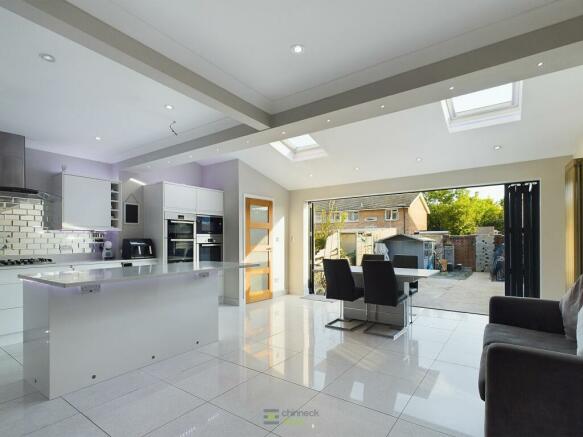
(209, 225)
(180, 237)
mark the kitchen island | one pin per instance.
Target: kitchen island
(83, 327)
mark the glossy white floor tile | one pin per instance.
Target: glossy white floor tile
(412, 367)
(174, 366)
(74, 426)
(315, 372)
(106, 391)
(447, 400)
(258, 356)
(378, 391)
(329, 416)
(212, 378)
(277, 355)
(209, 421)
(406, 429)
(31, 413)
(250, 399)
(142, 411)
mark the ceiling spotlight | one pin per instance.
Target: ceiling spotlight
(47, 57)
(451, 88)
(168, 161)
(540, 64)
(283, 132)
(382, 106)
(418, 159)
(297, 49)
(149, 166)
(218, 149)
(356, 168)
(311, 175)
(497, 147)
(328, 121)
(169, 107)
(97, 138)
(190, 156)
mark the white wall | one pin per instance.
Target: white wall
(549, 171)
(225, 176)
(237, 180)
(254, 184)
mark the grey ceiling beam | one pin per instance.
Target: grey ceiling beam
(77, 25)
(509, 60)
(522, 46)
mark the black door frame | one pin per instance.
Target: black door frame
(522, 239)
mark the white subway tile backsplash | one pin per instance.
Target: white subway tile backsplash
(21, 232)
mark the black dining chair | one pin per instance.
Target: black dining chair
(371, 257)
(381, 288)
(408, 262)
(340, 286)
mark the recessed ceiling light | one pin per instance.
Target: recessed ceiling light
(297, 49)
(382, 106)
(311, 175)
(247, 142)
(451, 88)
(283, 132)
(418, 159)
(218, 149)
(47, 57)
(328, 121)
(540, 64)
(168, 161)
(497, 147)
(149, 166)
(97, 138)
(356, 168)
(169, 107)
(190, 156)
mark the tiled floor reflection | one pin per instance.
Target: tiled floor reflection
(278, 356)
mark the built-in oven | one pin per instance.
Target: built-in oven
(209, 247)
(209, 225)
(180, 237)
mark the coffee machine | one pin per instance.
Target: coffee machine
(107, 252)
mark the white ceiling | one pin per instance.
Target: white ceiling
(244, 46)
(387, 146)
(61, 107)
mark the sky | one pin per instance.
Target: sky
(496, 192)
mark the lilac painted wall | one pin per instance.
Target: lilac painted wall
(42, 166)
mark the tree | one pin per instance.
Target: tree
(461, 213)
(331, 221)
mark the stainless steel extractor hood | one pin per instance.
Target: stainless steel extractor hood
(12, 169)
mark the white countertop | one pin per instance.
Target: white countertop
(76, 263)
(76, 278)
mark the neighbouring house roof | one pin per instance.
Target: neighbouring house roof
(407, 237)
(383, 201)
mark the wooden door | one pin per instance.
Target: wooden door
(258, 241)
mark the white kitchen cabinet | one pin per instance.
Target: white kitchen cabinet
(179, 197)
(85, 203)
(209, 201)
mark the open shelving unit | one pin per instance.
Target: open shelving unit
(116, 205)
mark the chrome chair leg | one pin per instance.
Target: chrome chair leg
(341, 319)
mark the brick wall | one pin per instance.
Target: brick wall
(22, 233)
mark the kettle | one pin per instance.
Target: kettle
(107, 252)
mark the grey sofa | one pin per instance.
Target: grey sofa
(530, 375)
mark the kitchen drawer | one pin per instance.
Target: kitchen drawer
(10, 321)
(10, 295)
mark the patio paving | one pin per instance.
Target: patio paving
(467, 295)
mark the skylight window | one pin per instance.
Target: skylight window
(497, 105)
(299, 148)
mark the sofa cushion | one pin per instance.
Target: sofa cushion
(570, 305)
(495, 333)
